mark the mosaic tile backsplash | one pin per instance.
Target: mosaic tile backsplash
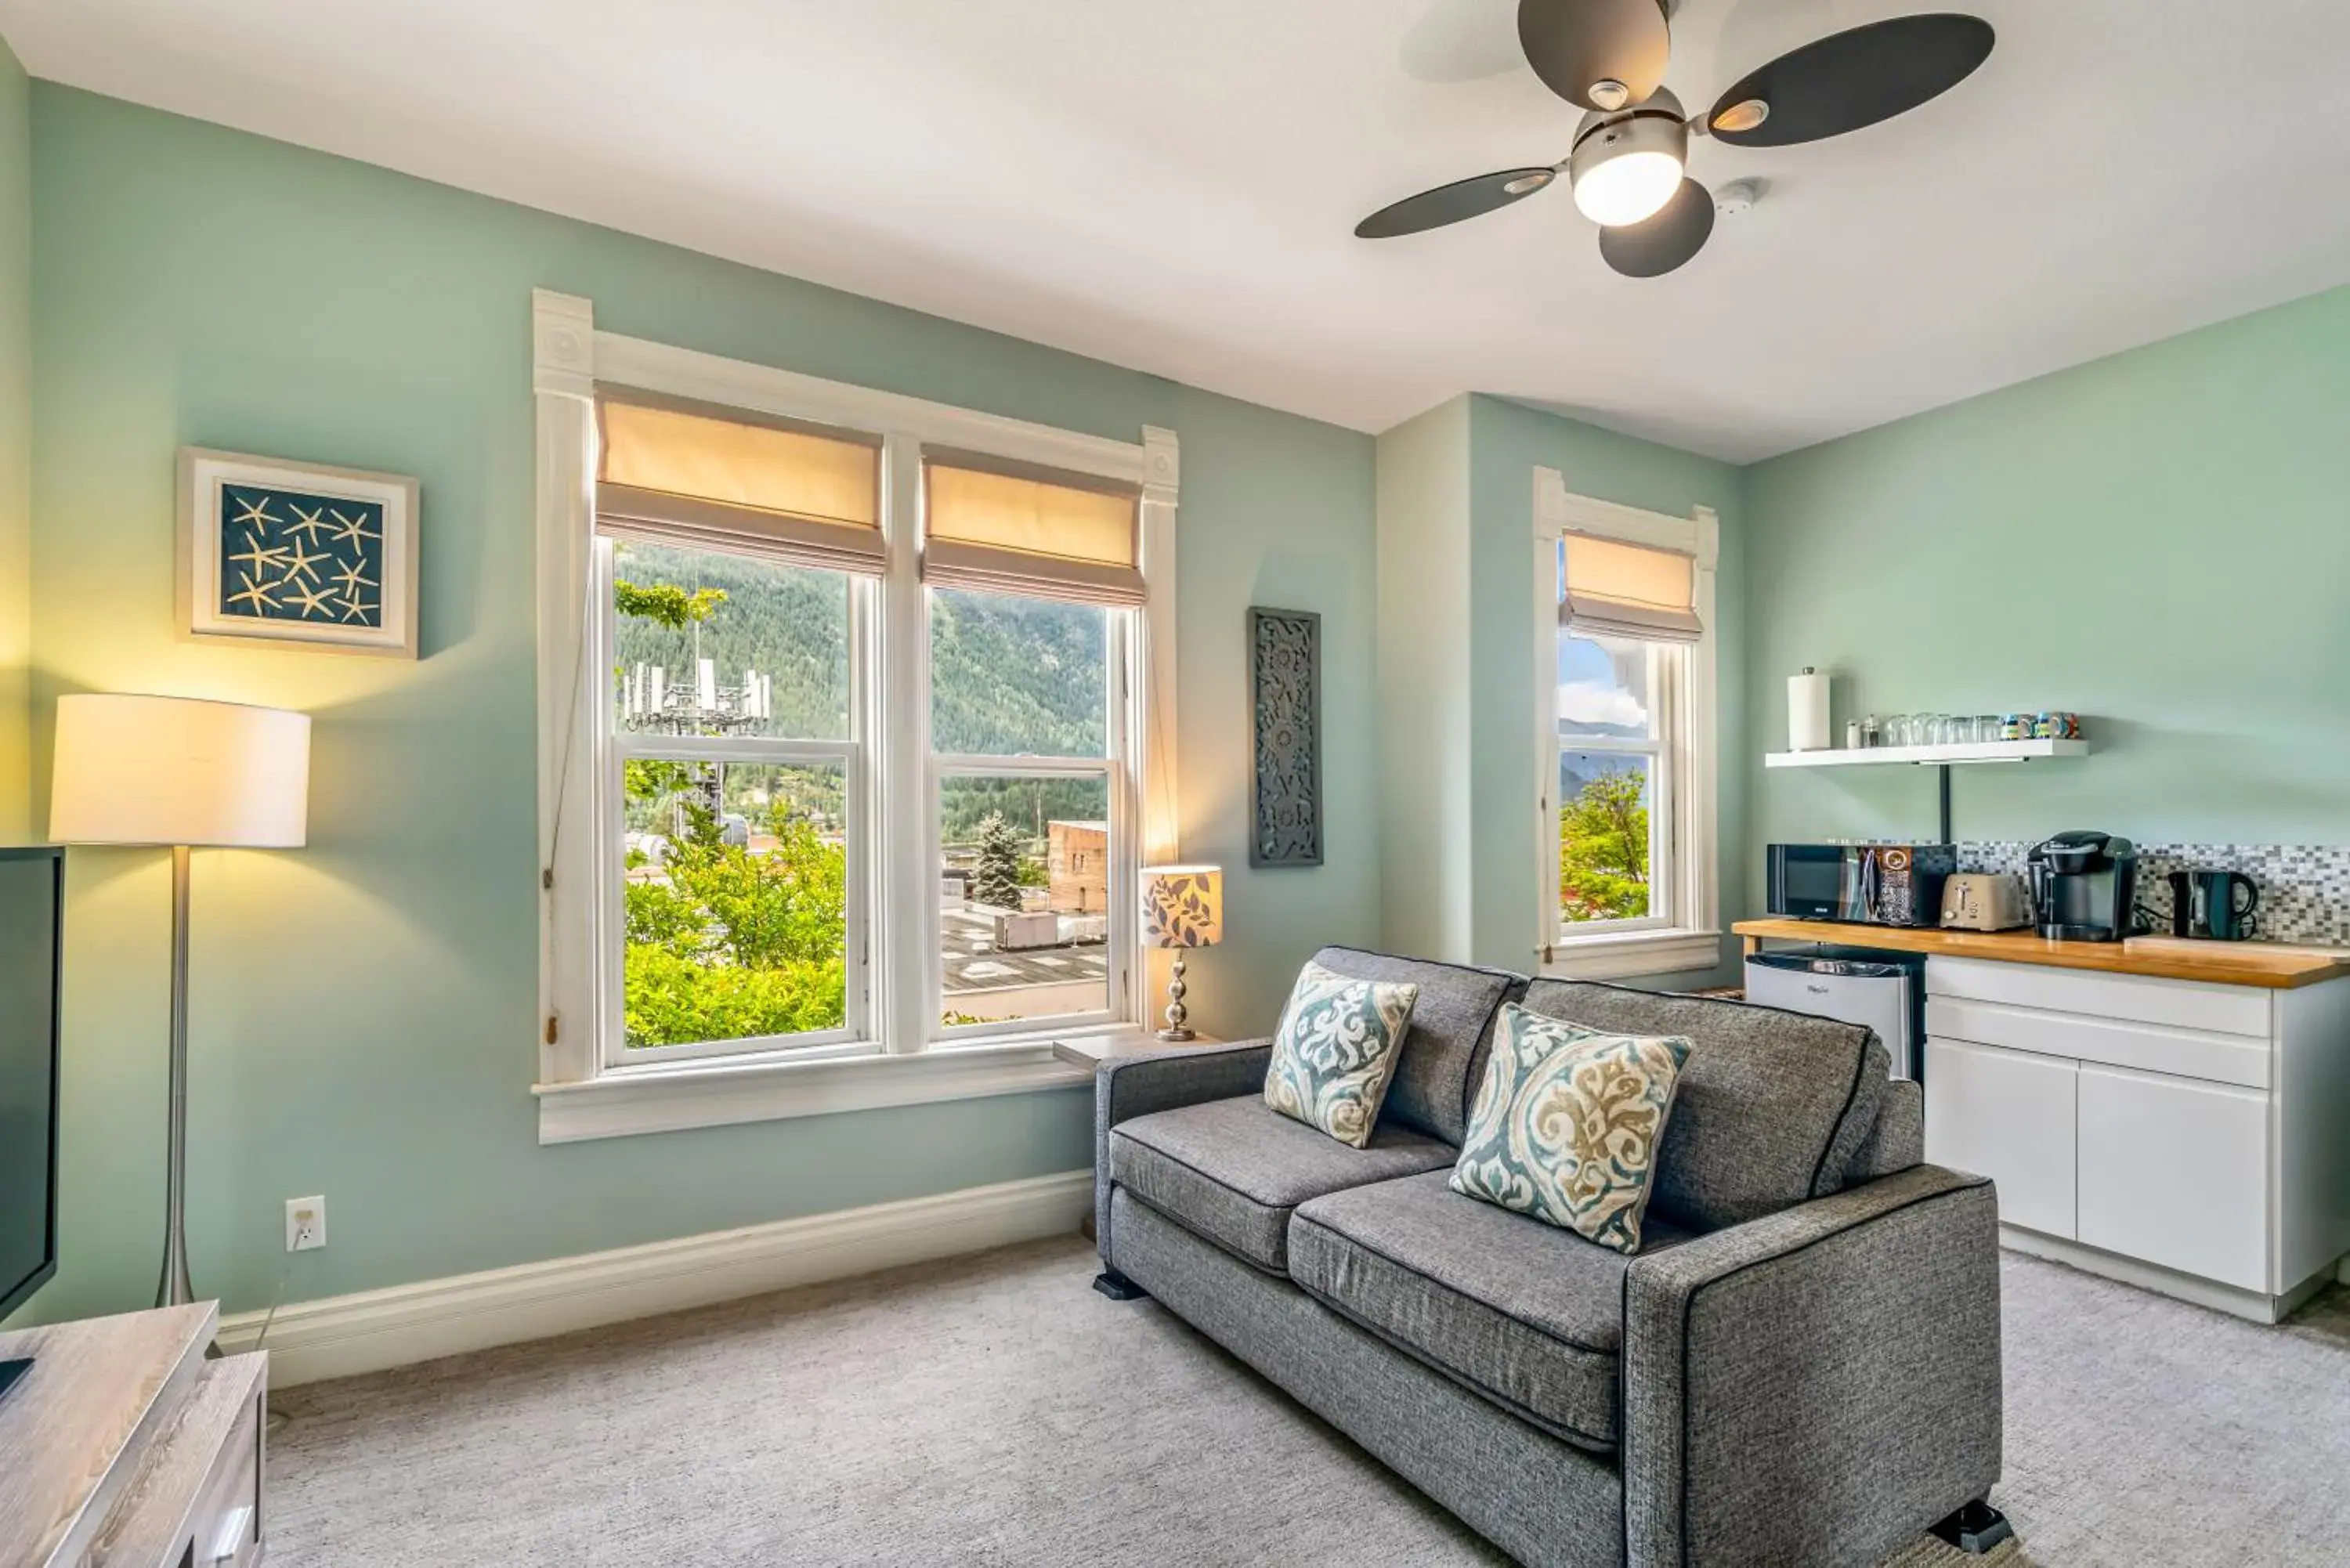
(2304, 888)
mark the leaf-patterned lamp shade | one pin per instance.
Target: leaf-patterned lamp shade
(1182, 906)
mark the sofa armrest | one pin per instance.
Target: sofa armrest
(1896, 1139)
(1818, 1385)
(1129, 1087)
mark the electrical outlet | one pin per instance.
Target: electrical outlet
(305, 1223)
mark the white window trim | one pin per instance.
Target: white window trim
(1664, 700)
(1692, 941)
(578, 1095)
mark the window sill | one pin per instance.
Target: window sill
(708, 1093)
(1624, 954)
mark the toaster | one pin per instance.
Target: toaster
(1985, 901)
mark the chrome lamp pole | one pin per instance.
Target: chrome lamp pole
(175, 1288)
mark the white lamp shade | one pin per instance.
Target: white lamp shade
(176, 770)
(1182, 906)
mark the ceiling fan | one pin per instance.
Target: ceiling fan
(1627, 164)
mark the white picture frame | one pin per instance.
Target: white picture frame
(297, 554)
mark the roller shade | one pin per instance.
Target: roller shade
(1005, 528)
(685, 473)
(1615, 589)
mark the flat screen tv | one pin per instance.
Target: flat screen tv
(31, 888)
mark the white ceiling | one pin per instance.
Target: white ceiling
(1170, 184)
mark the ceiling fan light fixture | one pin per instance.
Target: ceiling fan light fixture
(1626, 167)
(1740, 118)
(1628, 188)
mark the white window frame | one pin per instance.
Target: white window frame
(1668, 675)
(891, 1049)
(616, 1055)
(1684, 934)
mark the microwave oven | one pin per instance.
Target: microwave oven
(1865, 884)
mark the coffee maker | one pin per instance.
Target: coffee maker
(2084, 887)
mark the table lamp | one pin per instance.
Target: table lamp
(177, 772)
(1183, 907)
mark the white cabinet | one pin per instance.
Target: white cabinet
(2184, 1136)
(2009, 1115)
(2175, 1172)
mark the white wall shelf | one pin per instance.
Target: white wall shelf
(1929, 756)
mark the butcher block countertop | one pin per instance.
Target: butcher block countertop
(2276, 966)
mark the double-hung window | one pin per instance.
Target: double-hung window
(1032, 585)
(1625, 727)
(844, 701)
(736, 568)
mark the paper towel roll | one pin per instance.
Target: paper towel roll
(1807, 712)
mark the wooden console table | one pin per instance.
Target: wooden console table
(124, 1447)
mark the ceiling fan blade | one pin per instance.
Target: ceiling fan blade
(1450, 203)
(1655, 246)
(1575, 46)
(1850, 79)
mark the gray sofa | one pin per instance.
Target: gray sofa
(1801, 1365)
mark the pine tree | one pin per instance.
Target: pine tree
(996, 880)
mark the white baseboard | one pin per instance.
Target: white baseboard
(366, 1332)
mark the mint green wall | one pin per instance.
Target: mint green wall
(15, 447)
(2156, 541)
(363, 1009)
(1276, 510)
(1427, 859)
(1460, 843)
(1507, 443)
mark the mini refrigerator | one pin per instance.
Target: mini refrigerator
(1887, 991)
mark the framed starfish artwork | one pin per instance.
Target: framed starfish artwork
(297, 554)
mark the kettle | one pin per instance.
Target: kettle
(2206, 904)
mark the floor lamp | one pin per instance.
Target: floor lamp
(177, 772)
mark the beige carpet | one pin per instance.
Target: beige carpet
(995, 1411)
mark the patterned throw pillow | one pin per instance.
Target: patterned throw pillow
(1567, 1124)
(1337, 1050)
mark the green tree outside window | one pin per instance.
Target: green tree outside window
(1603, 850)
(723, 944)
(996, 880)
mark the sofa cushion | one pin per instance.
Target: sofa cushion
(1567, 1124)
(1231, 1170)
(1335, 1051)
(1450, 1021)
(1771, 1108)
(1525, 1313)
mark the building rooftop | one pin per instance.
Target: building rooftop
(967, 942)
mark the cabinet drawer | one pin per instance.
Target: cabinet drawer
(2179, 1003)
(2007, 1116)
(2176, 1173)
(227, 1521)
(2236, 1059)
